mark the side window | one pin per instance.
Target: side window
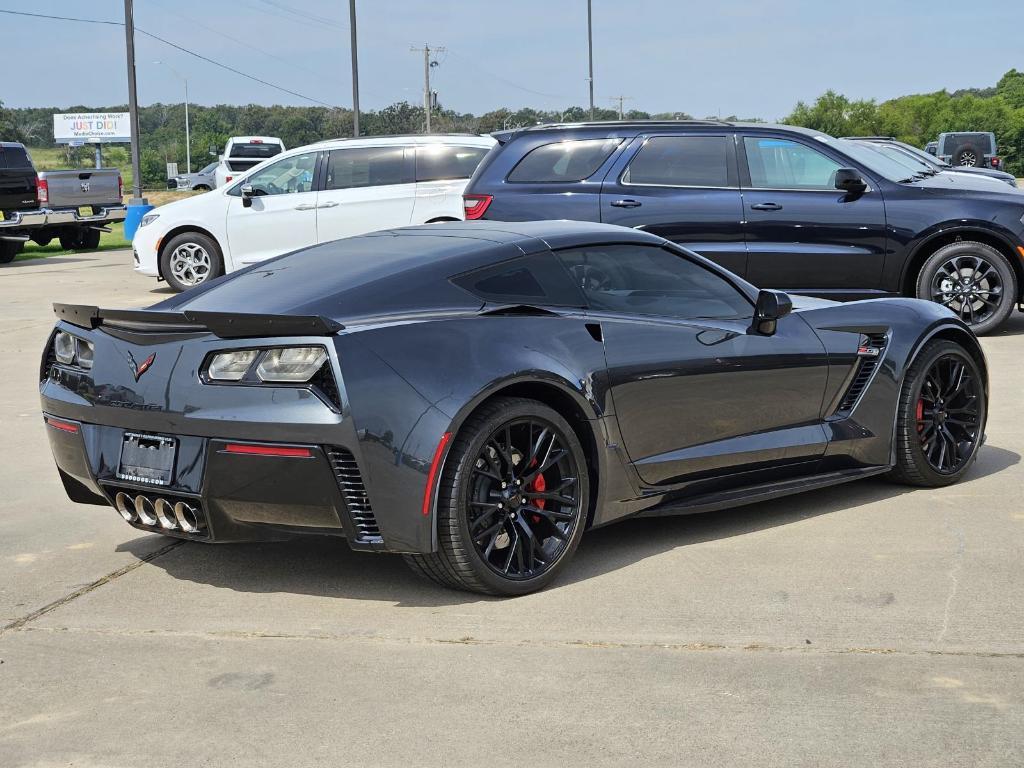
(785, 164)
(291, 175)
(367, 167)
(435, 162)
(534, 279)
(647, 280)
(683, 161)
(563, 161)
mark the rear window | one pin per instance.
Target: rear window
(15, 158)
(563, 161)
(682, 161)
(440, 161)
(259, 150)
(534, 279)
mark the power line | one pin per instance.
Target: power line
(200, 56)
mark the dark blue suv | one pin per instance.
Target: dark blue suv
(784, 207)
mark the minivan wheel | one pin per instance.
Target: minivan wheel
(512, 501)
(190, 259)
(972, 279)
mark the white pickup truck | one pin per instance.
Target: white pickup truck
(73, 206)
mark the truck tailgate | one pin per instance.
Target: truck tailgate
(77, 189)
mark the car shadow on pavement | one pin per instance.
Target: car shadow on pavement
(326, 567)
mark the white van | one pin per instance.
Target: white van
(306, 196)
(242, 153)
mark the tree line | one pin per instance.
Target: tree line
(915, 119)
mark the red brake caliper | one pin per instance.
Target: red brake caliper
(538, 485)
(920, 415)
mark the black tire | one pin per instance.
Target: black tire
(176, 251)
(89, 240)
(70, 239)
(915, 422)
(986, 305)
(200, 188)
(9, 249)
(968, 156)
(458, 563)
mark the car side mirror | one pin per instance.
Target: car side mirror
(247, 195)
(771, 307)
(848, 180)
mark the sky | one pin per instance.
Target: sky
(715, 57)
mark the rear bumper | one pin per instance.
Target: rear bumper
(45, 217)
(235, 496)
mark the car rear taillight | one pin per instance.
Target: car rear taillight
(995, 162)
(120, 187)
(228, 178)
(42, 191)
(476, 206)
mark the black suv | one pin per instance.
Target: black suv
(783, 207)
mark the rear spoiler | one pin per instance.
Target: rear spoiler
(226, 325)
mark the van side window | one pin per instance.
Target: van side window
(681, 161)
(435, 162)
(367, 167)
(563, 161)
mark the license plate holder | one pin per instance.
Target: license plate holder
(147, 458)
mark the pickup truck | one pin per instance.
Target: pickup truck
(73, 206)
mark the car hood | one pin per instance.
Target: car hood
(963, 182)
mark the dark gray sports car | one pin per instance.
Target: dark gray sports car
(476, 395)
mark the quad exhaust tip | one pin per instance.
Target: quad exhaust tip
(125, 507)
(159, 512)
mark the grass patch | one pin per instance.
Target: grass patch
(109, 241)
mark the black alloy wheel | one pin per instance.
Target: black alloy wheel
(524, 498)
(972, 279)
(512, 501)
(941, 420)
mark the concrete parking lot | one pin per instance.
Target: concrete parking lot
(864, 625)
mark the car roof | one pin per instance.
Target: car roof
(642, 125)
(391, 272)
(459, 139)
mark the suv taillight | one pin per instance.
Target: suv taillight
(120, 188)
(42, 191)
(995, 162)
(476, 206)
(228, 178)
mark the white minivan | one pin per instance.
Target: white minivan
(306, 196)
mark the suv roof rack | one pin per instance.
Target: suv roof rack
(397, 136)
(868, 138)
(603, 123)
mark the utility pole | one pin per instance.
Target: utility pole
(188, 138)
(355, 68)
(428, 96)
(133, 102)
(621, 99)
(590, 55)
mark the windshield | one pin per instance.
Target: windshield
(210, 168)
(932, 160)
(901, 157)
(873, 160)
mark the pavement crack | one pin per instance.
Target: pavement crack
(954, 582)
(585, 645)
(20, 623)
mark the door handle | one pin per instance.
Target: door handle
(305, 207)
(626, 203)
(766, 207)
(330, 204)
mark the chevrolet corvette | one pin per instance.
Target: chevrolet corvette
(476, 395)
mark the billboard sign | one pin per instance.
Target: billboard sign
(92, 128)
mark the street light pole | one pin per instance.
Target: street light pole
(188, 139)
(590, 55)
(133, 102)
(355, 68)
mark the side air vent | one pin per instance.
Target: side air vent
(326, 386)
(350, 481)
(869, 353)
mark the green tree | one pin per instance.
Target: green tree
(8, 128)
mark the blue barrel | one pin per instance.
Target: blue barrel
(132, 219)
